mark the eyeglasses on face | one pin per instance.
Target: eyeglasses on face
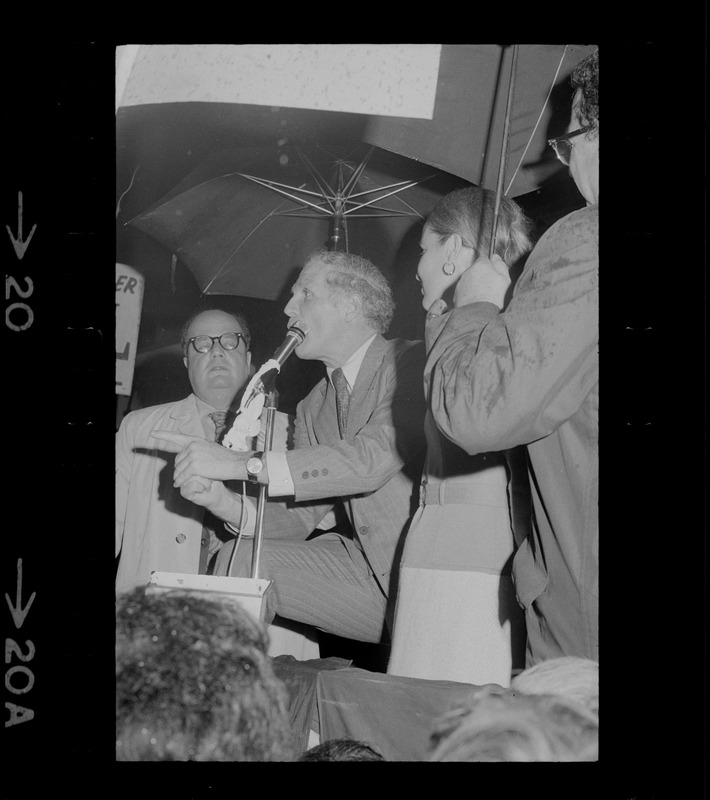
(228, 341)
(562, 145)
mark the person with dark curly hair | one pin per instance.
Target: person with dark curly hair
(529, 375)
(342, 750)
(194, 682)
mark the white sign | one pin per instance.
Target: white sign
(397, 80)
(129, 301)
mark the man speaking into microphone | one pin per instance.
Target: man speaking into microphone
(358, 451)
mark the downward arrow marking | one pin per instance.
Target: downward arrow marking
(19, 613)
(20, 245)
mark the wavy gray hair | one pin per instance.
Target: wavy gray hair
(350, 273)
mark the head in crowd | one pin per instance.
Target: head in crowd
(458, 231)
(216, 354)
(194, 683)
(582, 150)
(342, 750)
(343, 299)
(585, 80)
(571, 677)
(511, 726)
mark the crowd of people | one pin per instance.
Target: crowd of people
(398, 513)
(194, 683)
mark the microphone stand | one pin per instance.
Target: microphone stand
(249, 592)
(270, 405)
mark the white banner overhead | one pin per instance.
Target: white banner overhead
(396, 80)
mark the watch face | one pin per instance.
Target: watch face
(254, 465)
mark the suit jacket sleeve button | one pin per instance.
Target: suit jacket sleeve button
(305, 475)
(314, 474)
(364, 530)
(180, 538)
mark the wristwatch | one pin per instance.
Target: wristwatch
(254, 466)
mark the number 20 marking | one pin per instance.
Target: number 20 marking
(12, 284)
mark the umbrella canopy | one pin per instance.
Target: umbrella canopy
(443, 105)
(465, 134)
(244, 219)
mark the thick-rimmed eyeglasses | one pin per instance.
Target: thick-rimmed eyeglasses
(562, 145)
(228, 341)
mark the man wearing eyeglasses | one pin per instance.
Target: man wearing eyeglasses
(529, 376)
(156, 528)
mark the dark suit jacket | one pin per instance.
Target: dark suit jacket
(375, 470)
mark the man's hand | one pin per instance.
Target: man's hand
(201, 491)
(215, 497)
(197, 457)
(485, 281)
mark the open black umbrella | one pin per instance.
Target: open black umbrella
(245, 218)
(230, 226)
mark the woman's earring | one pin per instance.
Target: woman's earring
(449, 265)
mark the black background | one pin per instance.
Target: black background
(58, 132)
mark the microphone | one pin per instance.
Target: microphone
(295, 335)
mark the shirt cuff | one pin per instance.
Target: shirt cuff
(280, 480)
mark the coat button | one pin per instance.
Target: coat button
(305, 475)
(203, 541)
(314, 474)
(324, 471)
(364, 530)
(180, 538)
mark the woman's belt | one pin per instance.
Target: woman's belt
(442, 493)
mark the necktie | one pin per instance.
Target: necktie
(342, 398)
(220, 423)
(210, 541)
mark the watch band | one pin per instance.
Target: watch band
(253, 476)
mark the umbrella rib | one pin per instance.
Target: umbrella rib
(342, 162)
(226, 260)
(276, 187)
(357, 172)
(542, 111)
(326, 189)
(395, 191)
(397, 187)
(387, 213)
